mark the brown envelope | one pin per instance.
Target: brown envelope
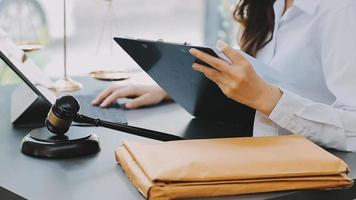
(232, 166)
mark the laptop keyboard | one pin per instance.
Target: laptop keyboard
(113, 113)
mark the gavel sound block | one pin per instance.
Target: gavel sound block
(61, 140)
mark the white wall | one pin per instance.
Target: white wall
(173, 20)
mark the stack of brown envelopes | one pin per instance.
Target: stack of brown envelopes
(232, 166)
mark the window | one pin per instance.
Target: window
(91, 24)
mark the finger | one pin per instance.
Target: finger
(122, 93)
(231, 53)
(214, 62)
(104, 94)
(141, 101)
(210, 73)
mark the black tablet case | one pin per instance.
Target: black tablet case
(170, 65)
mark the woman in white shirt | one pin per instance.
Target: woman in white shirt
(312, 42)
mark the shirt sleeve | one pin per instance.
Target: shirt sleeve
(332, 125)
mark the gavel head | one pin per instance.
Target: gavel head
(61, 115)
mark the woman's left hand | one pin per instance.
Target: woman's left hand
(237, 79)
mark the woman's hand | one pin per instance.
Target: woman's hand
(237, 79)
(143, 95)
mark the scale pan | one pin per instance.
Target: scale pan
(30, 47)
(110, 75)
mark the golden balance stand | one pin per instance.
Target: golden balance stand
(66, 84)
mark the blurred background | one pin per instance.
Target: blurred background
(91, 24)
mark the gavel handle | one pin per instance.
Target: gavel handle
(127, 128)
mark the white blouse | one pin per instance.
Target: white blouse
(314, 44)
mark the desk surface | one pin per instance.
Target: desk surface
(97, 176)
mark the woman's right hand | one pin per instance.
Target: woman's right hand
(144, 95)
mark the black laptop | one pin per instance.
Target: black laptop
(170, 65)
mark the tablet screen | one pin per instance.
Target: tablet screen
(23, 66)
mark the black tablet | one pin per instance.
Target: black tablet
(170, 65)
(28, 71)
